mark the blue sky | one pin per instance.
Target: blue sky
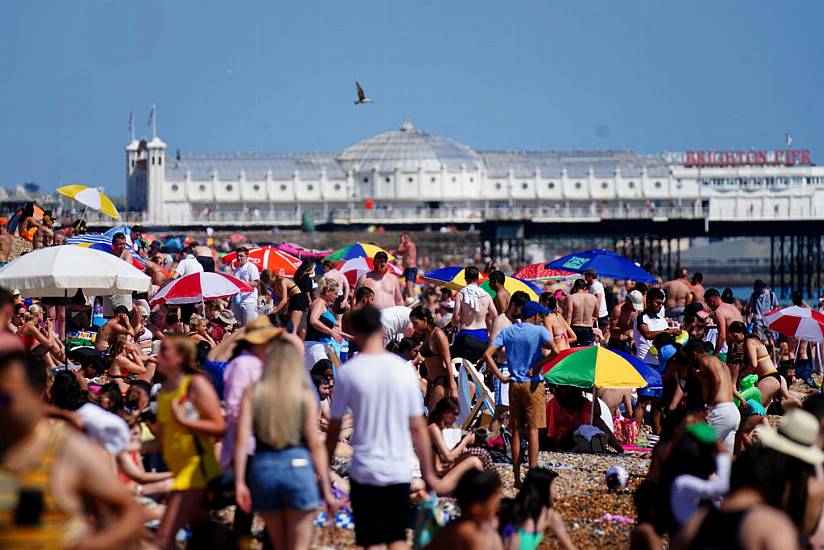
(278, 76)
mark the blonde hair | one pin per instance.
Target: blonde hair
(279, 398)
(327, 285)
(196, 321)
(185, 347)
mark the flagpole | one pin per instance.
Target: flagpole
(154, 120)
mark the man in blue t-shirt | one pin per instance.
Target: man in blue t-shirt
(524, 343)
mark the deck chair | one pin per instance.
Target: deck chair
(468, 376)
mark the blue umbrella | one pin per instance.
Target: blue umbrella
(604, 262)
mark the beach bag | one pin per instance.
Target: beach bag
(626, 429)
(430, 519)
(220, 491)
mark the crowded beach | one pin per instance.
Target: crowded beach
(212, 392)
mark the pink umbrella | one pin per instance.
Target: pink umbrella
(799, 322)
(356, 267)
(199, 287)
(538, 272)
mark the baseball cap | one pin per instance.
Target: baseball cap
(532, 309)
(702, 432)
(636, 299)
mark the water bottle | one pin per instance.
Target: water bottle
(97, 316)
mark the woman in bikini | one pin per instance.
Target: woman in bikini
(556, 324)
(38, 338)
(291, 300)
(125, 359)
(437, 358)
(758, 360)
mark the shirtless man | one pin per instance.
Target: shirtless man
(65, 476)
(119, 324)
(205, 256)
(717, 388)
(5, 242)
(409, 250)
(383, 283)
(724, 315)
(473, 317)
(678, 295)
(363, 297)
(697, 288)
(502, 296)
(582, 311)
(621, 320)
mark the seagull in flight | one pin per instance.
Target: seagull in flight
(361, 95)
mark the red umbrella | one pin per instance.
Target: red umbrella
(537, 272)
(356, 267)
(798, 322)
(268, 257)
(199, 287)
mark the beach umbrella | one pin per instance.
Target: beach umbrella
(302, 252)
(539, 272)
(798, 322)
(357, 250)
(90, 198)
(513, 285)
(199, 287)
(600, 367)
(267, 257)
(15, 220)
(605, 262)
(450, 277)
(103, 243)
(60, 271)
(356, 267)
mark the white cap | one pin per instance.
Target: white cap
(636, 299)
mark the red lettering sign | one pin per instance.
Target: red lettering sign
(698, 159)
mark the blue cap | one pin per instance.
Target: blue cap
(531, 309)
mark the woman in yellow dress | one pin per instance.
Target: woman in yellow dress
(189, 420)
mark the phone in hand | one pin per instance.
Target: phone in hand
(29, 507)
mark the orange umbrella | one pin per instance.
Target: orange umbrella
(268, 257)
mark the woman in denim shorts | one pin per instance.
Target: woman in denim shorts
(280, 411)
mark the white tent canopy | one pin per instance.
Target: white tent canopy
(60, 271)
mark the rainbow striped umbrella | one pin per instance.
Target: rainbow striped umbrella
(600, 367)
(450, 277)
(357, 250)
(513, 285)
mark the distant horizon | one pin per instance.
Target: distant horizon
(265, 77)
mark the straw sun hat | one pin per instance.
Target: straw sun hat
(261, 331)
(796, 436)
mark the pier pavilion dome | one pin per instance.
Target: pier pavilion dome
(408, 150)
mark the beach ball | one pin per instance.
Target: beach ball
(616, 478)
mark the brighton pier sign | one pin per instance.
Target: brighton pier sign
(778, 157)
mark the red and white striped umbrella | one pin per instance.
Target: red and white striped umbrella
(798, 322)
(356, 267)
(199, 287)
(268, 257)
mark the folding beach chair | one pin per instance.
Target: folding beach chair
(468, 376)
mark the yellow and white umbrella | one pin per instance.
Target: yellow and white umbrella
(90, 198)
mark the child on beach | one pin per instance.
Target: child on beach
(531, 513)
(479, 496)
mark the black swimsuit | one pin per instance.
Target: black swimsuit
(720, 530)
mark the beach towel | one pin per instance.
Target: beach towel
(471, 295)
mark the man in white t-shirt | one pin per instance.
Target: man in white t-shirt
(245, 304)
(395, 322)
(187, 264)
(381, 390)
